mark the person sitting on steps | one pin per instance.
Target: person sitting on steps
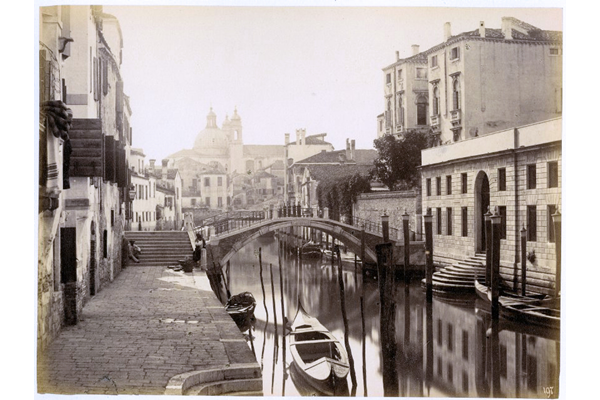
(134, 251)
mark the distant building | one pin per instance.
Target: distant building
(217, 156)
(304, 175)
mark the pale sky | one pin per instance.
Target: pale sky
(284, 68)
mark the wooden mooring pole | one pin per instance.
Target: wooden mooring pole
(557, 219)
(496, 224)
(523, 260)
(429, 254)
(405, 231)
(488, 248)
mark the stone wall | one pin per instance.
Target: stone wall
(371, 206)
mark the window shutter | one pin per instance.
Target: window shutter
(104, 77)
(96, 79)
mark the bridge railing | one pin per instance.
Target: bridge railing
(233, 220)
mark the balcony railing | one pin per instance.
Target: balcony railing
(455, 117)
(435, 120)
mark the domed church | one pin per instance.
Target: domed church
(218, 154)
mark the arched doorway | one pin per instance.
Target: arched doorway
(482, 202)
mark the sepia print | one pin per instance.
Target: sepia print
(299, 201)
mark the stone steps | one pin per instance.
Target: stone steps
(160, 247)
(459, 277)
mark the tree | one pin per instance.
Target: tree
(338, 193)
(397, 163)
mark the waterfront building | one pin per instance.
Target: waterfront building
(80, 229)
(495, 100)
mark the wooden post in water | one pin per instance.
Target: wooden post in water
(345, 320)
(523, 260)
(496, 224)
(429, 346)
(557, 219)
(283, 323)
(488, 248)
(387, 319)
(429, 254)
(385, 227)
(406, 233)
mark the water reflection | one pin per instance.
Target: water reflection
(443, 348)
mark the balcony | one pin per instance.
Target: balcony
(399, 128)
(435, 121)
(455, 117)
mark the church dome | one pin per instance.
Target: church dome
(212, 140)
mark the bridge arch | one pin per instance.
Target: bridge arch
(333, 228)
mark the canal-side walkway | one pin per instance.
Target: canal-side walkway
(151, 331)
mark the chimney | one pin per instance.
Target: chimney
(348, 150)
(304, 136)
(152, 165)
(447, 31)
(287, 139)
(352, 148)
(507, 28)
(164, 169)
(482, 28)
(397, 55)
(415, 49)
(297, 136)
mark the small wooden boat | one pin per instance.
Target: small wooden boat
(306, 388)
(320, 358)
(241, 307)
(534, 314)
(311, 250)
(535, 309)
(485, 294)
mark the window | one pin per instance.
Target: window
(434, 61)
(388, 78)
(449, 221)
(554, 51)
(193, 202)
(454, 53)
(551, 210)
(194, 183)
(464, 222)
(456, 94)
(105, 243)
(399, 74)
(207, 201)
(438, 186)
(421, 73)
(502, 212)
(464, 182)
(436, 101)
(428, 185)
(438, 214)
(219, 202)
(450, 338)
(439, 326)
(112, 218)
(448, 184)
(400, 113)
(465, 382)
(501, 179)
(206, 182)
(219, 181)
(553, 174)
(531, 176)
(531, 223)
(422, 110)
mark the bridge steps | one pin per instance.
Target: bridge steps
(160, 247)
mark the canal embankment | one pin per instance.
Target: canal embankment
(152, 331)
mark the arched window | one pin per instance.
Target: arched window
(436, 101)
(400, 114)
(456, 94)
(388, 114)
(421, 110)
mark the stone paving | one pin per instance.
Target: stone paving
(150, 324)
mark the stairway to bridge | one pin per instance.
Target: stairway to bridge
(459, 277)
(160, 247)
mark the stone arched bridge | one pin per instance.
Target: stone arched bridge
(224, 243)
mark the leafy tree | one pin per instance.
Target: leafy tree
(338, 193)
(397, 163)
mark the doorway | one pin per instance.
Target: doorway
(482, 202)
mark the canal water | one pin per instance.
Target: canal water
(446, 348)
